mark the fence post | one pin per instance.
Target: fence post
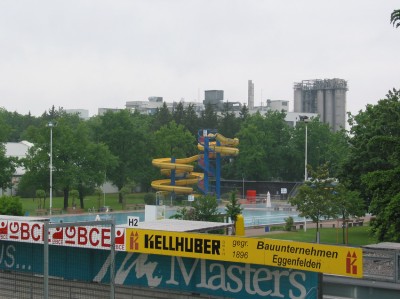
(112, 265)
(396, 267)
(46, 260)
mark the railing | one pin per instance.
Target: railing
(381, 265)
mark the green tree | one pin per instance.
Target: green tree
(76, 160)
(349, 204)
(263, 147)
(7, 168)
(229, 125)
(41, 194)
(395, 18)
(373, 164)
(316, 197)
(191, 120)
(178, 114)
(10, 206)
(127, 137)
(323, 146)
(205, 208)
(96, 160)
(74, 195)
(233, 209)
(244, 113)
(162, 117)
(5, 127)
(209, 118)
(184, 213)
(174, 141)
(99, 193)
(14, 125)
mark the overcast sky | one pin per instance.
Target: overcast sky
(82, 54)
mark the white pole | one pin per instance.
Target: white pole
(305, 157)
(104, 189)
(51, 166)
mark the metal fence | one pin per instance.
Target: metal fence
(383, 265)
(52, 288)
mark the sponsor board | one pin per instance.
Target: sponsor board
(338, 260)
(200, 276)
(346, 261)
(98, 237)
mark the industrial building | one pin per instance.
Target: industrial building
(215, 98)
(325, 97)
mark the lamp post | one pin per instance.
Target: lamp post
(51, 165)
(305, 155)
(305, 119)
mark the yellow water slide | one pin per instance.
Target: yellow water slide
(227, 147)
(182, 168)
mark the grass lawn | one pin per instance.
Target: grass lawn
(30, 206)
(357, 236)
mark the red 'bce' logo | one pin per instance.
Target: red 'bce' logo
(351, 267)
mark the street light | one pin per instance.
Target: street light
(51, 125)
(305, 119)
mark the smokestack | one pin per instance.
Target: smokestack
(250, 99)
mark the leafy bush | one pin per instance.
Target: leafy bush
(233, 208)
(10, 206)
(289, 223)
(184, 214)
(150, 198)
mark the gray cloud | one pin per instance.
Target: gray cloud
(90, 54)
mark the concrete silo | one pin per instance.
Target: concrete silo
(326, 97)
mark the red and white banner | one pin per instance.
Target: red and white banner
(97, 237)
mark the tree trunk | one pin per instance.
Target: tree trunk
(120, 197)
(66, 193)
(343, 229)
(81, 197)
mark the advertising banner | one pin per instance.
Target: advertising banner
(288, 254)
(217, 278)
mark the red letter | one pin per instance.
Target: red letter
(24, 231)
(105, 236)
(91, 237)
(82, 237)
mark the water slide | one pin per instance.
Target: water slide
(227, 147)
(183, 172)
(184, 175)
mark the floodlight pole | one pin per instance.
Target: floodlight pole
(51, 166)
(305, 155)
(305, 119)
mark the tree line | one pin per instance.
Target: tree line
(119, 146)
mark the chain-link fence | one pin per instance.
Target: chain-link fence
(86, 236)
(39, 259)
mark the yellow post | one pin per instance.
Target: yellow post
(239, 225)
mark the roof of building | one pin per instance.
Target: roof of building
(17, 149)
(175, 225)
